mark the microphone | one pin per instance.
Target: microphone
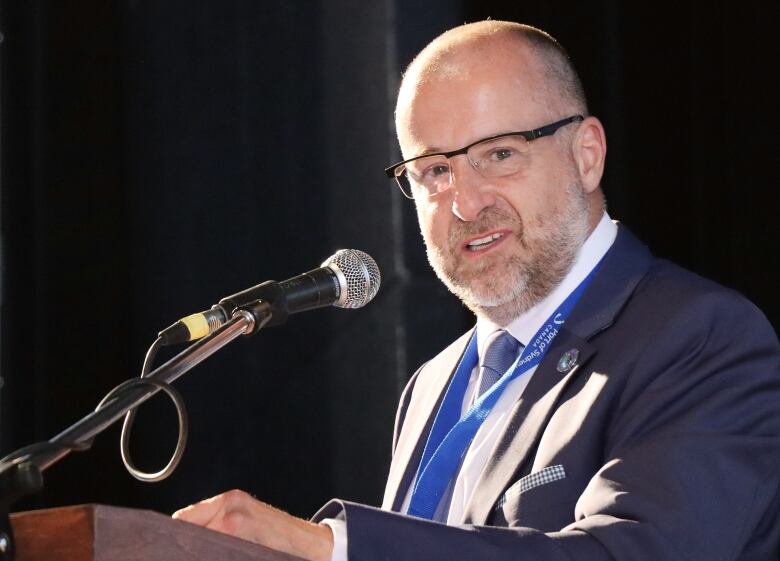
(347, 279)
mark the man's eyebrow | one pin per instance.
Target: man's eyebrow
(436, 150)
(428, 151)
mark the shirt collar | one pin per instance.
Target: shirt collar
(526, 325)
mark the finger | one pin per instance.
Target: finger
(201, 513)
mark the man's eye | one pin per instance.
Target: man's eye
(500, 154)
(436, 171)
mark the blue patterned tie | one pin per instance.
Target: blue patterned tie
(501, 350)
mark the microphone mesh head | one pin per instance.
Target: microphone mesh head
(360, 273)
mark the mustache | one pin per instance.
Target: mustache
(489, 219)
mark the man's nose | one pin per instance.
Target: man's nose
(471, 193)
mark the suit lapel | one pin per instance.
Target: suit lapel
(525, 426)
(426, 397)
(624, 266)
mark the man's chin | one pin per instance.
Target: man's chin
(489, 298)
(499, 304)
(500, 314)
(491, 290)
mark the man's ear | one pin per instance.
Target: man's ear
(590, 151)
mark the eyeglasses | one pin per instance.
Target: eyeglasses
(496, 156)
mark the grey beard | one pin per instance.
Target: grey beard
(529, 281)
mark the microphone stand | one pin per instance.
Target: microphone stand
(21, 473)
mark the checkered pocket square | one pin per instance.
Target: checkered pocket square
(532, 480)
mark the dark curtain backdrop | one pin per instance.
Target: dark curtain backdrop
(157, 156)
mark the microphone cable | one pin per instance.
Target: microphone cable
(28, 453)
(358, 279)
(181, 412)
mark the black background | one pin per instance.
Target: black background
(159, 155)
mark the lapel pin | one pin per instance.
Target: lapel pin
(568, 360)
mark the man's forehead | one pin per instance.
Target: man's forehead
(463, 104)
(504, 62)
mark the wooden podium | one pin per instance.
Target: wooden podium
(106, 533)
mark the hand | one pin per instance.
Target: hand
(238, 514)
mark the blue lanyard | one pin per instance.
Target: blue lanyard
(451, 435)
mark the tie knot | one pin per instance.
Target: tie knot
(500, 351)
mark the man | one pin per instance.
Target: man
(636, 414)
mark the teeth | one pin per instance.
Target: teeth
(476, 244)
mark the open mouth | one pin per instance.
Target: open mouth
(484, 242)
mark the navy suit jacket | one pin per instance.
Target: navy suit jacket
(662, 443)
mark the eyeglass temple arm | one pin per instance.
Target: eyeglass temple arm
(552, 127)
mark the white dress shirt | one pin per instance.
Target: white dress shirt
(522, 328)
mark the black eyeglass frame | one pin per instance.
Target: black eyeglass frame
(546, 130)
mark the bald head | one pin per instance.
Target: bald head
(529, 54)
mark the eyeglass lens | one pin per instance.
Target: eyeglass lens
(496, 157)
